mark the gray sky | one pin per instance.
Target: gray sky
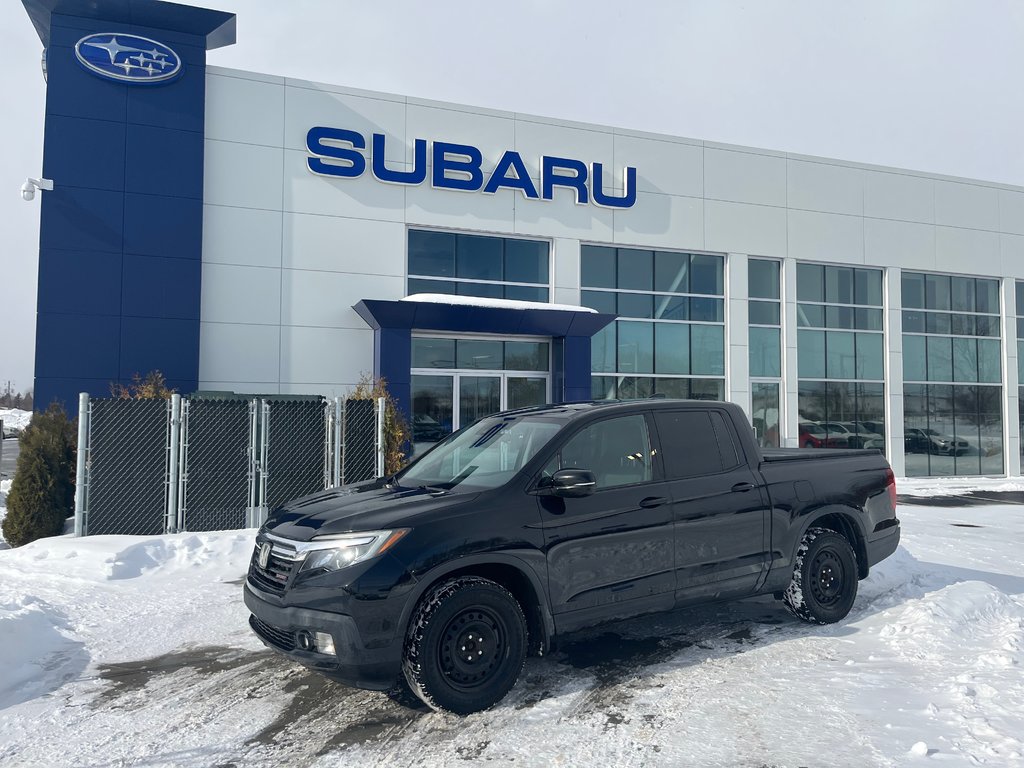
(932, 85)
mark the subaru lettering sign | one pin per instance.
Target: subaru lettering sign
(128, 58)
(337, 152)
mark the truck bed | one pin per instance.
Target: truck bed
(809, 454)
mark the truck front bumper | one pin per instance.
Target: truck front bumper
(353, 663)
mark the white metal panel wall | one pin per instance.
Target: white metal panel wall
(321, 244)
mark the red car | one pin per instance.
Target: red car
(815, 436)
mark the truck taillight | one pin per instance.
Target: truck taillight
(890, 486)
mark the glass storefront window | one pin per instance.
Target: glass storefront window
(635, 269)
(480, 354)
(952, 372)
(765, 352)
(763, 279)
(432, 404)
(641, 387)
(840, 357)
(526, 356)
(478, 265)
(672, 311)
(433, 353)
(672, 348)
(671, 272)
(636, 347)
(764, 412)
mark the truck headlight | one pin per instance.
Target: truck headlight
(331, 553)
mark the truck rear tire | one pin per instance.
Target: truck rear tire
(824, 584)
(465, 646)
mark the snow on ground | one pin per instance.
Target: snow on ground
(956, 486)
(129, 650)
(15, 418)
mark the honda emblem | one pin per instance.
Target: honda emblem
(264, 555)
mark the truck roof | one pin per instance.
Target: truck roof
(578, 408)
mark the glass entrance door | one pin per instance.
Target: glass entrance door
(524, 391)
(445, 402)
(479, 396)
(457, 381)
(765, 412)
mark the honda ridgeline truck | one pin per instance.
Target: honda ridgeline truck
(530, 524)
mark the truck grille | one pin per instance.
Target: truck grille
(277, 637)
(280, 564)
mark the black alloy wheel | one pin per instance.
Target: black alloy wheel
(824, 584)
(465, 646)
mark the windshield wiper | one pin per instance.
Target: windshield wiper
(432, 488)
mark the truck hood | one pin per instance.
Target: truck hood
(370, 506)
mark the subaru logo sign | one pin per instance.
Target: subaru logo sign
(128, 58)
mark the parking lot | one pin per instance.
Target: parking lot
(136, 651)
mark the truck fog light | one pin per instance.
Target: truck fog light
(325, 644)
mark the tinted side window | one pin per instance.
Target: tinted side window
(617, 451)
(726, 444)
(689, 445)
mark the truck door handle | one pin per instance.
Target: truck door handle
(742, 487)
(653, 501)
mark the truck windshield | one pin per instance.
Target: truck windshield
(483, 455)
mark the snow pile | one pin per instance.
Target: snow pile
(39, 652)
(478, 301)
(930, 487)
(137, 650)
(15, 418)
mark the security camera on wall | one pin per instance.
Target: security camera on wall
(28, 189)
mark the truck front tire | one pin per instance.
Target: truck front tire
(824, 584)
(465, 646)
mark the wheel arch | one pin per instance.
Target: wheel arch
(510, 572)
(844, 521)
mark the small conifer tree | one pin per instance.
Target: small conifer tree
(43, 492)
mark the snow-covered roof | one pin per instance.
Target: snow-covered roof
(477, 301)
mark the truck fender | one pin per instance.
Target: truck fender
(851, 524)
(479, 564)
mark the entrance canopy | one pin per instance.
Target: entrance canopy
(569, 328)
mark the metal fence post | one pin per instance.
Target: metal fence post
(182, 510)
(81, 469)
(381, 405)
(328, 442)
(173, 458)
(261, 506)
(343, 437)
(339, 419)
(250, 517)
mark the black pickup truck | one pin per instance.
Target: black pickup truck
(533, 523)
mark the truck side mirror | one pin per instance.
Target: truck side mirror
(571, 483)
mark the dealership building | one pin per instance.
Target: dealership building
(245, 232)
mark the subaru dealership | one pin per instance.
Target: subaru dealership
(245, 232)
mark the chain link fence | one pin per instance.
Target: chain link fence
(212, 463)
(128, 466)
(297, 441)
(216, 465)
